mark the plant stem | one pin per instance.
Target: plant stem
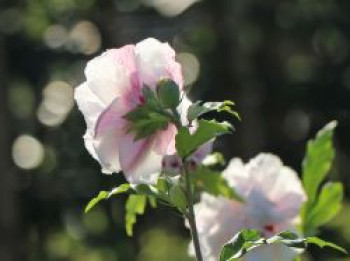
(189, 194)
(190, 215)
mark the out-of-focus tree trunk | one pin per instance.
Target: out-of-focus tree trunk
(10, 247)
(237, 79)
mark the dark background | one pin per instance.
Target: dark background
(285, 63)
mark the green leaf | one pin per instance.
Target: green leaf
(145, 122)
(93, 202)
(187, 143)
(316, 165)
(289, 239)
(248, 239)
(152, 201)
(148, 117)
(153, 192)
(166, 191)
(240, 244)
(135, 205)
(326, 207)
(321, 243)
(143, 189)
(292, 240)
(213, 183)
(106, 194)
(168, 93)
(163, 185)
(120, 189)
(297, 258)
(177, 197)
(318, 160)
(196, 109)
(150, 97)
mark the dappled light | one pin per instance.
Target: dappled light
(190, 67)
(27, 152)
(56, 104)
(168, 7)
(84, 38)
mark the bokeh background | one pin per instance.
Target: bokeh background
(285, 63)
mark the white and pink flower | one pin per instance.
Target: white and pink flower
(273, 197)
(113, 87)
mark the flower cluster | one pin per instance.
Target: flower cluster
(141, 122)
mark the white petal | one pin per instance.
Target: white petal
(280, 184)
(140, 163)
(288, 193)
(91, 107)
(263, 170)
(274, 190)
(106, 78)
(277, 252)
(106, 148)
(89, 145)
(109, 131)
(218, 220)
(237, 176)
(89, 104)
(156, 60)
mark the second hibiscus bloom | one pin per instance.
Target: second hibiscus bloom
(273, 197)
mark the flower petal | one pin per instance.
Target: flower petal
(165, 141)
(109, 130)
(125, 57)
(155, 61)
(106, 148)
(288, 193)
(202, 152)
(284, 187)
(276, 252)
(106, 78)
(238, 177)
(89, 145)
(89, 104)
(140, 163)
(112, 118)
(91, 107)
(218, 220)
(283, 194)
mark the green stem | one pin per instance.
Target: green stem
(176, 118)
(189, 195)
(190, 215)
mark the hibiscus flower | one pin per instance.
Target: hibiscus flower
(113, 87)
(273, 197)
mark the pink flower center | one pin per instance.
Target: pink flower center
(141, 99)
(269, 228)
